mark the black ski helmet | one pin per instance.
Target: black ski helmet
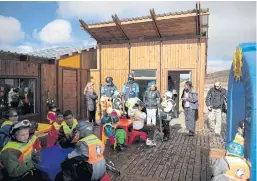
(52, 105)
(131, 76)
(108, 80)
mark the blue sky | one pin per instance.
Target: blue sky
(35, 16)
(29, 26)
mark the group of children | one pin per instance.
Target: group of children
(20, 149)
(21, 153)
(136, 113)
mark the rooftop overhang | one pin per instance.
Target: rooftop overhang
(192, 23)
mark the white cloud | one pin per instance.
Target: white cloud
(10, 30)
(25, 48)
(230, 23)
(56, 32)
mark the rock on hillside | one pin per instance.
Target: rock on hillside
(221, 76)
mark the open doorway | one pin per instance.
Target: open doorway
(176, 81)
(143, 78)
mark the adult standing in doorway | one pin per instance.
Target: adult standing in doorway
(190, 106)
(152, 100)
(91, 98)
(171, 84)
(128, 87)
(216, 101)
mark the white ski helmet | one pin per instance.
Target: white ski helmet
(116, 93)
(168, 94)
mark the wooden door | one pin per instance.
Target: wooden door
(70, 91)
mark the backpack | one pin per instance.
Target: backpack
(120, 136)
(4, 135)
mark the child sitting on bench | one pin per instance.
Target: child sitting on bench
(139, 118)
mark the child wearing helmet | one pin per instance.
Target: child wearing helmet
(51, 115)
(109, 121)
(166, 109)
(130, 103)
(86, 161)
(117, 103)
(11, 116)
(18, 156)
(233, 166)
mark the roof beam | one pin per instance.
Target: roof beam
(153, 16)
(118, 24)
(199, 17)
(198, 27)
(85, 27)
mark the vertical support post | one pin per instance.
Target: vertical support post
(160, 68)
(81, 91)
(100, 74)
(129, 47)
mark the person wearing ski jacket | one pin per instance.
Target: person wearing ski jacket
(166, 109)
(151, 99)
(216, 101)
(190, 106)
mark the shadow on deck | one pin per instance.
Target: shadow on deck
(181, 158)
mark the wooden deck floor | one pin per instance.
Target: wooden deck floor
(180, 159)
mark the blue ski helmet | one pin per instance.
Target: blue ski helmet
(235, 149)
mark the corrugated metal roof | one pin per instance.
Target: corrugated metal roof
(157, 15)
(59, 51)
(19, 54)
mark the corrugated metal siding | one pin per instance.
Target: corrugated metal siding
(179, 54)
(145, 55)
(115, 57)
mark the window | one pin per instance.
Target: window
(145, 74)
(18, 94)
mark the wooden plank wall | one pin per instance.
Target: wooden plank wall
(71, 93)
(115, 63)
(13, 68)
(48, 83)
(171, 55)
(89, 59)
(146, 55)
(178, 55)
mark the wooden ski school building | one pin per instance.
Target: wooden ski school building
(153, 47)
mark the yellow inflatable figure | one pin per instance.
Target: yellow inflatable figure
(233, 166)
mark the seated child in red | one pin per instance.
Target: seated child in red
(51, 115)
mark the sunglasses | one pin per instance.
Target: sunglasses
(14, 115)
